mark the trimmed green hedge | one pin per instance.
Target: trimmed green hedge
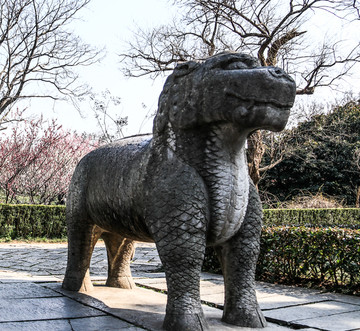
(32, 221)
(312, 247)
(314, 257)
(49, 221)
(326, 257)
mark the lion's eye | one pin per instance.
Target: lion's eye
(182, 66)
(185, 68)
(235, 66)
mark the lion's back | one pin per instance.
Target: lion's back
(111, 158)
(108, 180)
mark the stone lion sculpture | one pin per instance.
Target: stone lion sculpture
(185, 187)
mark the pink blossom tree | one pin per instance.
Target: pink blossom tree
(37, 159)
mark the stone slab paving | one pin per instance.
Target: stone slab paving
(344, 316)
(103, 323)
(286, 305)
(31, 297)
(20, 291)
(50, 259)
(27, 309)
(144, 308)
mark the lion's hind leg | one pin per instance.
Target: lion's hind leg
(81, 241)
(120, 251)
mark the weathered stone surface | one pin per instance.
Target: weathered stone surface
(103, 323)
(54, 325)
(185, 187)
(145, 308)
(279, 301)
(24, 291)
(312, 310)
(338, 322)
(46, 308)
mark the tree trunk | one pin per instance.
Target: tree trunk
(255, 152)
(357, 204)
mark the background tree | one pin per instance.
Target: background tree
(11, 117)
(274, 32)
(324, 158)
(37, 160)
(357, 163)
(35, 47)
(105, 108)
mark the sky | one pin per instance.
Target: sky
(109, 23)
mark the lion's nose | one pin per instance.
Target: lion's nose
(279, 73)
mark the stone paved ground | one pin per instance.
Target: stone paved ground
(43, 259)
(31, 297)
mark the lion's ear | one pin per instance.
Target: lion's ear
(185, 68)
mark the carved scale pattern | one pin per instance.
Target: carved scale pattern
(225, 173)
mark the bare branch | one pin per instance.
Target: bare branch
(328, 58)
(272, 33)
(35, 47)
(280, 43)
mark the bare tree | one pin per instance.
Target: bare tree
(108, 117)
(35, 47)
(9, 117)
(273, 31)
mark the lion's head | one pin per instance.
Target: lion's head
(229, 87)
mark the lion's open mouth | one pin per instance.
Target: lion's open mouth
(250, 102)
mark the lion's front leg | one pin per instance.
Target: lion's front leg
(181, 246)
(177, 219)
(182, 260)
(238, 258)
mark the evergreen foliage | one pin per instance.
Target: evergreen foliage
(324, 158)
(326, 257)
(311, 256)
(31, 221)
(312, 247)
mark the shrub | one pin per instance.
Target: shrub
(328, 257)
(31, 221)
(316, 247)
